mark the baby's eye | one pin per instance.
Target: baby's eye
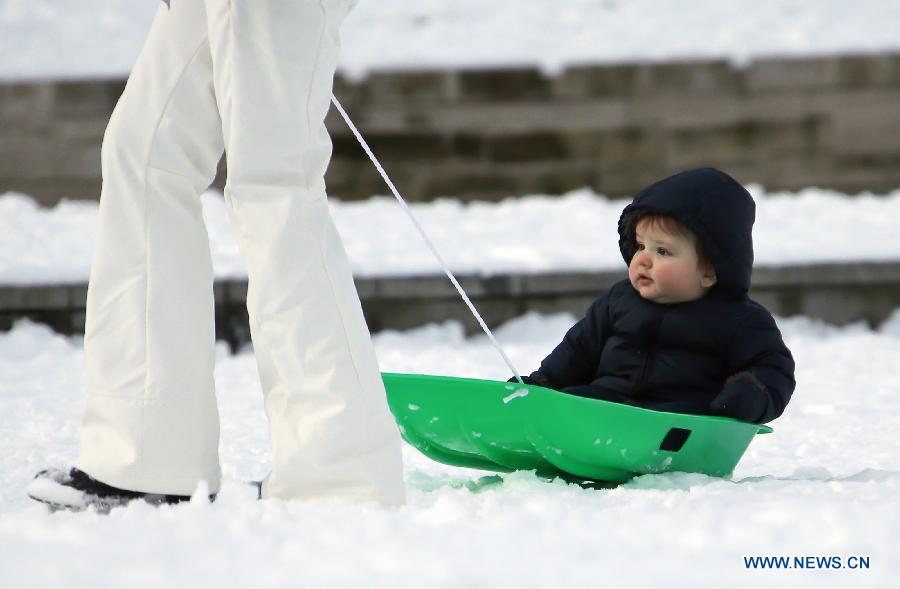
(640, 246)
(662, 251)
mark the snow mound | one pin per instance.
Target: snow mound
(530, 234)
(102, 38)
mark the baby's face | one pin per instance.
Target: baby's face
(665, 269)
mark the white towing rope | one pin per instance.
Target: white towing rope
(415, 222)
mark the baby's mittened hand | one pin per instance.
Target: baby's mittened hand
(525, 379)
(743, 397)
(534, 378)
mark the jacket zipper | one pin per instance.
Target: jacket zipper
(649, 353)
(649, 357)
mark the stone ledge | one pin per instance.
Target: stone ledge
(837, 293)
(827, 121)
(827, 274)
(435, 286)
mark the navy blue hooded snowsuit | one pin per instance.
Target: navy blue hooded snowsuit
(719, 355)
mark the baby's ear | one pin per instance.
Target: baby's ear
(708, 277)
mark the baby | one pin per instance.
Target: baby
(681, 333)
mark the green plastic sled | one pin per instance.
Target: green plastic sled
(503, 427)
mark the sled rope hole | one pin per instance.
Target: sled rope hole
(431, 246)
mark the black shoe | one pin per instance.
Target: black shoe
(76, 490)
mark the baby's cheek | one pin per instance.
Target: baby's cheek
(667, 274)
(675, 279)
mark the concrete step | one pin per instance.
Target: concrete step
(838, 293)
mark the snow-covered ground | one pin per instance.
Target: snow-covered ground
(826, 483)
(576, 231)
(102, 38)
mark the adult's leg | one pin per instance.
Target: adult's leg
(331, 432)
(151, 422)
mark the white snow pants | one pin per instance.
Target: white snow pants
(252, 78)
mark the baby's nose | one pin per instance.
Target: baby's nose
(643, 258)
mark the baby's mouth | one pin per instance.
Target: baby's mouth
(644, 279)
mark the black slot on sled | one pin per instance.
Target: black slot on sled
(675, 439)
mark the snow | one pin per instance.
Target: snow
(531, 234)
(55, 493)
(102, 38)
(827, 482)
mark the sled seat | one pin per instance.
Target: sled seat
(501, 426)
